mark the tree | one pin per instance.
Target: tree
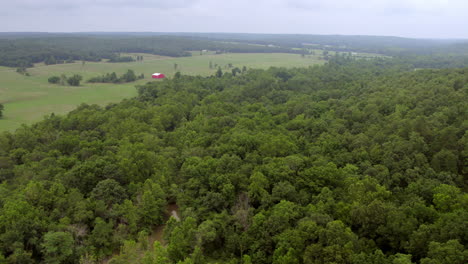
(448, 198)
(376, 257)
(50, 60)
(20, 256)
(206, 233)
(401, 259)
(54, 79)
(175, 66)
(257, 188)
(63, 79)
(109, 191)
(20, 225)
(235, 71)
(157, 255)
(101, 237)
(23, 71)
(129, 76)
(284, 191)
(74, 80)
(152, 204)
(1, 110)
(129, 216)
(445, 160)
(181, 239)
(458, 84)
(57, 247)
(450, 252)
(219, 73)
(113, 77)
(197, 256)
(282, 256)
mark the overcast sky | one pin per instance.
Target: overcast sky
(407, 18)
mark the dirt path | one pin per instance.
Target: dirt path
(158, 232)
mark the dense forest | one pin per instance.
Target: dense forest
(356, 161)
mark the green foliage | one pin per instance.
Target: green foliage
(115, 58)
(402, 259)
(351, 162)
(129, 76)
(219, 73)
(181, 240)
(450, 252)
(100, 238)
(1, 110)
(159, 254)
(22, 71)
(22, 51)
(54, 79)
(74, 80)
(57, 247)
(128, 253)
(109, 191)
(152, 204)
(50, 60)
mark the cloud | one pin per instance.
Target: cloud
(90, 4)
(379, 6)
(415, 18)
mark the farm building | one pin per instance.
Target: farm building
(158, 75)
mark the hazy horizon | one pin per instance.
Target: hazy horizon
(428, 19)
(199, 32)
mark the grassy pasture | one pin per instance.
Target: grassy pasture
(29, 99)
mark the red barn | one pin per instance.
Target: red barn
(158, 76)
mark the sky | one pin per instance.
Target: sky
(404, 18)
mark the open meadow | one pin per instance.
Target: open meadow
(28, 99)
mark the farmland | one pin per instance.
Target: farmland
(29, 98)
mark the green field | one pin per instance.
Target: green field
(28, 99)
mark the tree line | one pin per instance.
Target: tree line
(25, 51)
(129, 76)
(20, 50)
(74, 80)
(387, 45)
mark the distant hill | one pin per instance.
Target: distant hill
(26, 48)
